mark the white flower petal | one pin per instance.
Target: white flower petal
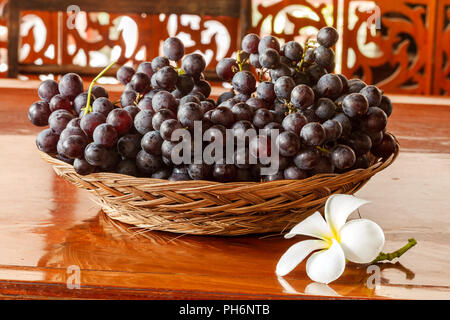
(337, 209)
(361, 240)
(327, 265)
(314, 226)
(296, 253)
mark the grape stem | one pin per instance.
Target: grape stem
(88, 103)
(396, 254)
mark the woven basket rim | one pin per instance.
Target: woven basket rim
(377, 166)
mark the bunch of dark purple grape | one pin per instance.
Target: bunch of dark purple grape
(327, 123)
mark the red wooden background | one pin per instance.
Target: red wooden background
(409, 54)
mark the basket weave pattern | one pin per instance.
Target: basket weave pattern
(213, 208)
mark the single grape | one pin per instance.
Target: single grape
(121, 120)
(329, 86)
(225, 96)
(151, 143)
(168, 127)
(124, 74)
(307, 159)
(74, 123)
(99, 92)
(268, 42)
(58, 102)
(386, 105)
(269, 59)
(226, 68)
(244, 82)
(250, 43)
(72, 131)
(254, 60)
(73, 147)
(146, 103)
(355, 105)
(200, 171)
(202, 87)
(375, 120)
(262, 117)
(280, 71)
(294, 173)
(128, 97)
(188, 113)
(166, 78)
(38, 113)
(333, 130)
(106, 135)
(386, 147)
(80, 102)
(159, 63)
(90, 121)
(266, 91)
(342, 157)
(129, 145)
(355, 85)
(102, 105)
(47, 140)
(83, 167)
(193, 64)
(207, 105)
(325, 109)
(143, 121)
(324, 56)
(223, 116)
(59, 119)
(373, 95)
(140, 82)
(185, 83)
(294, 122)
(161, 116)
(345, 123)
(70, 85)
(283, 87)
(189, 98)
(288, 143)
(313, 134)
(242, 111)
(173, 48)
(148, 163)
(48, 89)
(302, 96)
(179, 174)
(327, 37)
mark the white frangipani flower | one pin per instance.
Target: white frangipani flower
(358, 241)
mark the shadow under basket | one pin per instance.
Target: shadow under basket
(213, 208)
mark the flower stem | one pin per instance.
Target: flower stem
(88, 108)
(396, 254)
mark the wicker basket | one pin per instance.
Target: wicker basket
(212, 208)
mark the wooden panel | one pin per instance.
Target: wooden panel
(398, 57)
(216, 8)
(442, 51)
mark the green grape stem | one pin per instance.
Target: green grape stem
(396, 254)
(88, 103)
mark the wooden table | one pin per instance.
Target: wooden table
(47, 226)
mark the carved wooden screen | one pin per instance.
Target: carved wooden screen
(409, 54)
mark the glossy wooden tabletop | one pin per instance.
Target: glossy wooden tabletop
(49, 228)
